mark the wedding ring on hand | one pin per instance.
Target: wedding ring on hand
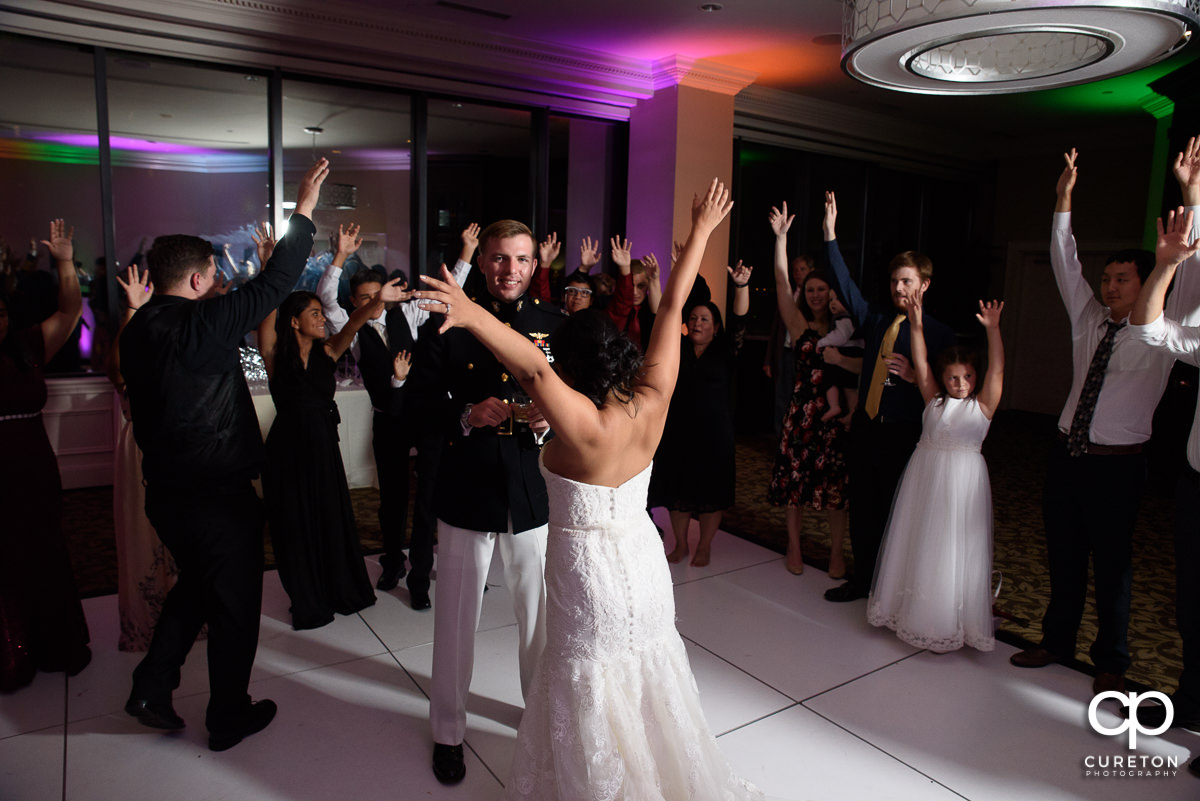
(447, 308)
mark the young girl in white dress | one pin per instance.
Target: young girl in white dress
(613, 712)
(933, 579)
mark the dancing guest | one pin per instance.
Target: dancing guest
(1177, 243)
(887, 424)
(779, 364)
(489, 493)
(613, 711)
(41, 618)
(377, 348)
(1117, 380)
(810, 465)
(145, 569)
(308, 503)
(933, 583)
(694, 469)
(194, 420)
(638, 291)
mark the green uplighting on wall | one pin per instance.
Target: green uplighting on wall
(1119, 94)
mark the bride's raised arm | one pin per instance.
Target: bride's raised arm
(662, 354)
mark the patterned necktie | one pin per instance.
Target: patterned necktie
(880, 374)
(1081, 423)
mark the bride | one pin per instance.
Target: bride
(613, 712)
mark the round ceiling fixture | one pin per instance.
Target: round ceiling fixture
(975, 47)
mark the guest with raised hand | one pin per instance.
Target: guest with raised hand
(933, 583)
(43, 623)
(304, 482)
(887, 423)
(1177, 243)
(694, 468)
(194, 420)
(548, 250)
(375, 347)
(1116, 384)
(145, 569)
(629, 307)
(613, 710)
(810, 469)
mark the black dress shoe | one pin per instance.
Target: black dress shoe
(845, 592)
(419, 600)
(1033, 658)
(1152, 716)
(255, 719)
(1107, 682)
(448, 764)
(391, 575)
(153, 714)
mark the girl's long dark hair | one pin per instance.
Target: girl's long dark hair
(287, 347)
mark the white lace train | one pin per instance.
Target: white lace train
(614, 712)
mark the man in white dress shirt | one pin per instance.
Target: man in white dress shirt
(1116, 384)
(383, 350)
(1177, 243)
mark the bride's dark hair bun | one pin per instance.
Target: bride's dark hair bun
(596, 356)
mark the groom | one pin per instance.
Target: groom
(489, 491)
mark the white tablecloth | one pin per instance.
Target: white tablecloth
(354, 432)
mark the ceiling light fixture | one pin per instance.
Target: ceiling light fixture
(710, 7)
(975, 47)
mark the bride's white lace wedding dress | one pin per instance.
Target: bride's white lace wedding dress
(613, 712)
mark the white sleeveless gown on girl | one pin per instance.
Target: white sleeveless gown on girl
(933, 579)
(613, 712)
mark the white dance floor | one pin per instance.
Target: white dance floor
(808, 700)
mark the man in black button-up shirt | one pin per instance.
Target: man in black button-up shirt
(195, 423)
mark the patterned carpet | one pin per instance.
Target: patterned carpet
(1016, 450)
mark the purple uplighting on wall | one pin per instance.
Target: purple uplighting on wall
(126, 143)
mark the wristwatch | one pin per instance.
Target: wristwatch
(466, 415)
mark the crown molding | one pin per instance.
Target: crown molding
(678, 70)
(369, 45)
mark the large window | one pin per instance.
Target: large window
(479, 171)
(49, 159)
(189, 152)
(367, 137)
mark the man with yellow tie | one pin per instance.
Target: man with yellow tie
(887, 423)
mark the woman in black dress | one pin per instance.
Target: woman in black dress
(304, 483)
(694, 464)
(42, 626)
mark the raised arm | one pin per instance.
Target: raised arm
(1066, 183)
(653, 283)
(923, 376)
(740, 276)
(621, 304)
(662, 354)
(856, 305)
(391, 292)
(1174, 245)
(228, 318)
(347, 242)
(1183, 305)
(548, 250)
(470, 241)
(589, 253)
(137, 291)
(785, 298)
(993, 384)
(266, 342)
(58, 327)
